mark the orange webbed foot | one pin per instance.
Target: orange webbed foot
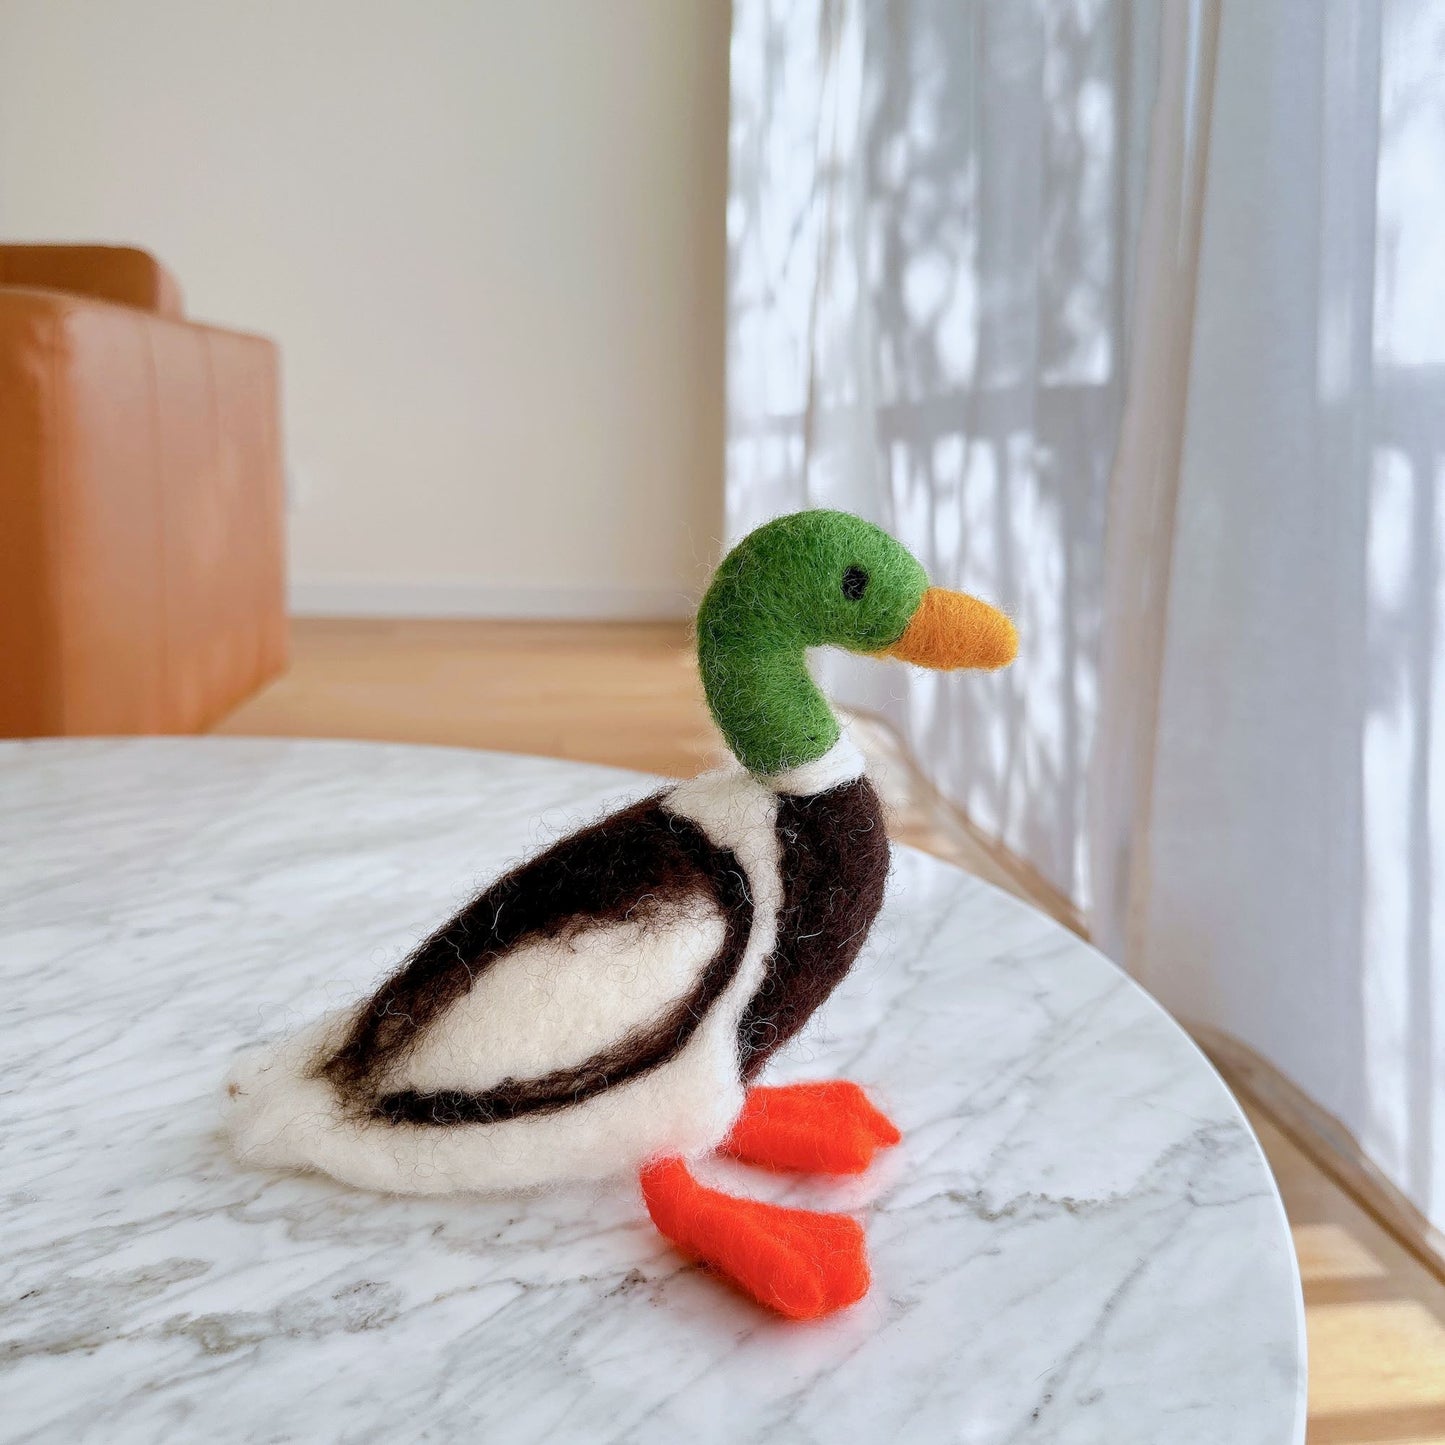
(829, 1127)
(802, 1264)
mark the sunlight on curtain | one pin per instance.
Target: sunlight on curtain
(1289, 879)
(1403, 936)
(958, 239)
(929, 230)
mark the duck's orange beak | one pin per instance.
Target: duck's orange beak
(952, 629)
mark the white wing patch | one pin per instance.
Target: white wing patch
(553, 1003)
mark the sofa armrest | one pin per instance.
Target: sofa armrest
(123, 274)
(141, 568)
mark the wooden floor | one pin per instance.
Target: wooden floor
(627, 694)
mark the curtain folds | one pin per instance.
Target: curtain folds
(930, 224)
(1131, 318)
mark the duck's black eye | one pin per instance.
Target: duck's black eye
(855, 583)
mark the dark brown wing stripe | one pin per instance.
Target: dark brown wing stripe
(833, 859)
(641, 862)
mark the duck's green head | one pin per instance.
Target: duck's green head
(818, 579)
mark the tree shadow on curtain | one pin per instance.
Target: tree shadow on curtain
(928, 313)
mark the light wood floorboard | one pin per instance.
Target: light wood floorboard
(627, 694)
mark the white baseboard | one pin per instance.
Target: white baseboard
(474, 599)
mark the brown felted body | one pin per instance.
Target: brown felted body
(833, 863)
(638, 864)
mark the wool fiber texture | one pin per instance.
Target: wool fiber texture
(801, 1264)
(806, 580)
(952, 629)
(834, 866)
(638, 865)
(605, 1006)
(571, 1042)
(829, 1126)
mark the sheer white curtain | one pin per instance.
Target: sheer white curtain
(1283, 868)
(1168, 381)
(930, 229)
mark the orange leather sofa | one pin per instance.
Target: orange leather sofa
(141, 508)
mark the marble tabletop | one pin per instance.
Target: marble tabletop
(1078, 1240)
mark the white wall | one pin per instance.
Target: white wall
(489, 238)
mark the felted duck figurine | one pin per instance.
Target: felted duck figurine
(606, 1006)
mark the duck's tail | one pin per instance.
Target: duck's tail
(276, 1109)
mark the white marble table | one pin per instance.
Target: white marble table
(1078, 1240)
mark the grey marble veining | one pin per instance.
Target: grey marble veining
(1078, 1240)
